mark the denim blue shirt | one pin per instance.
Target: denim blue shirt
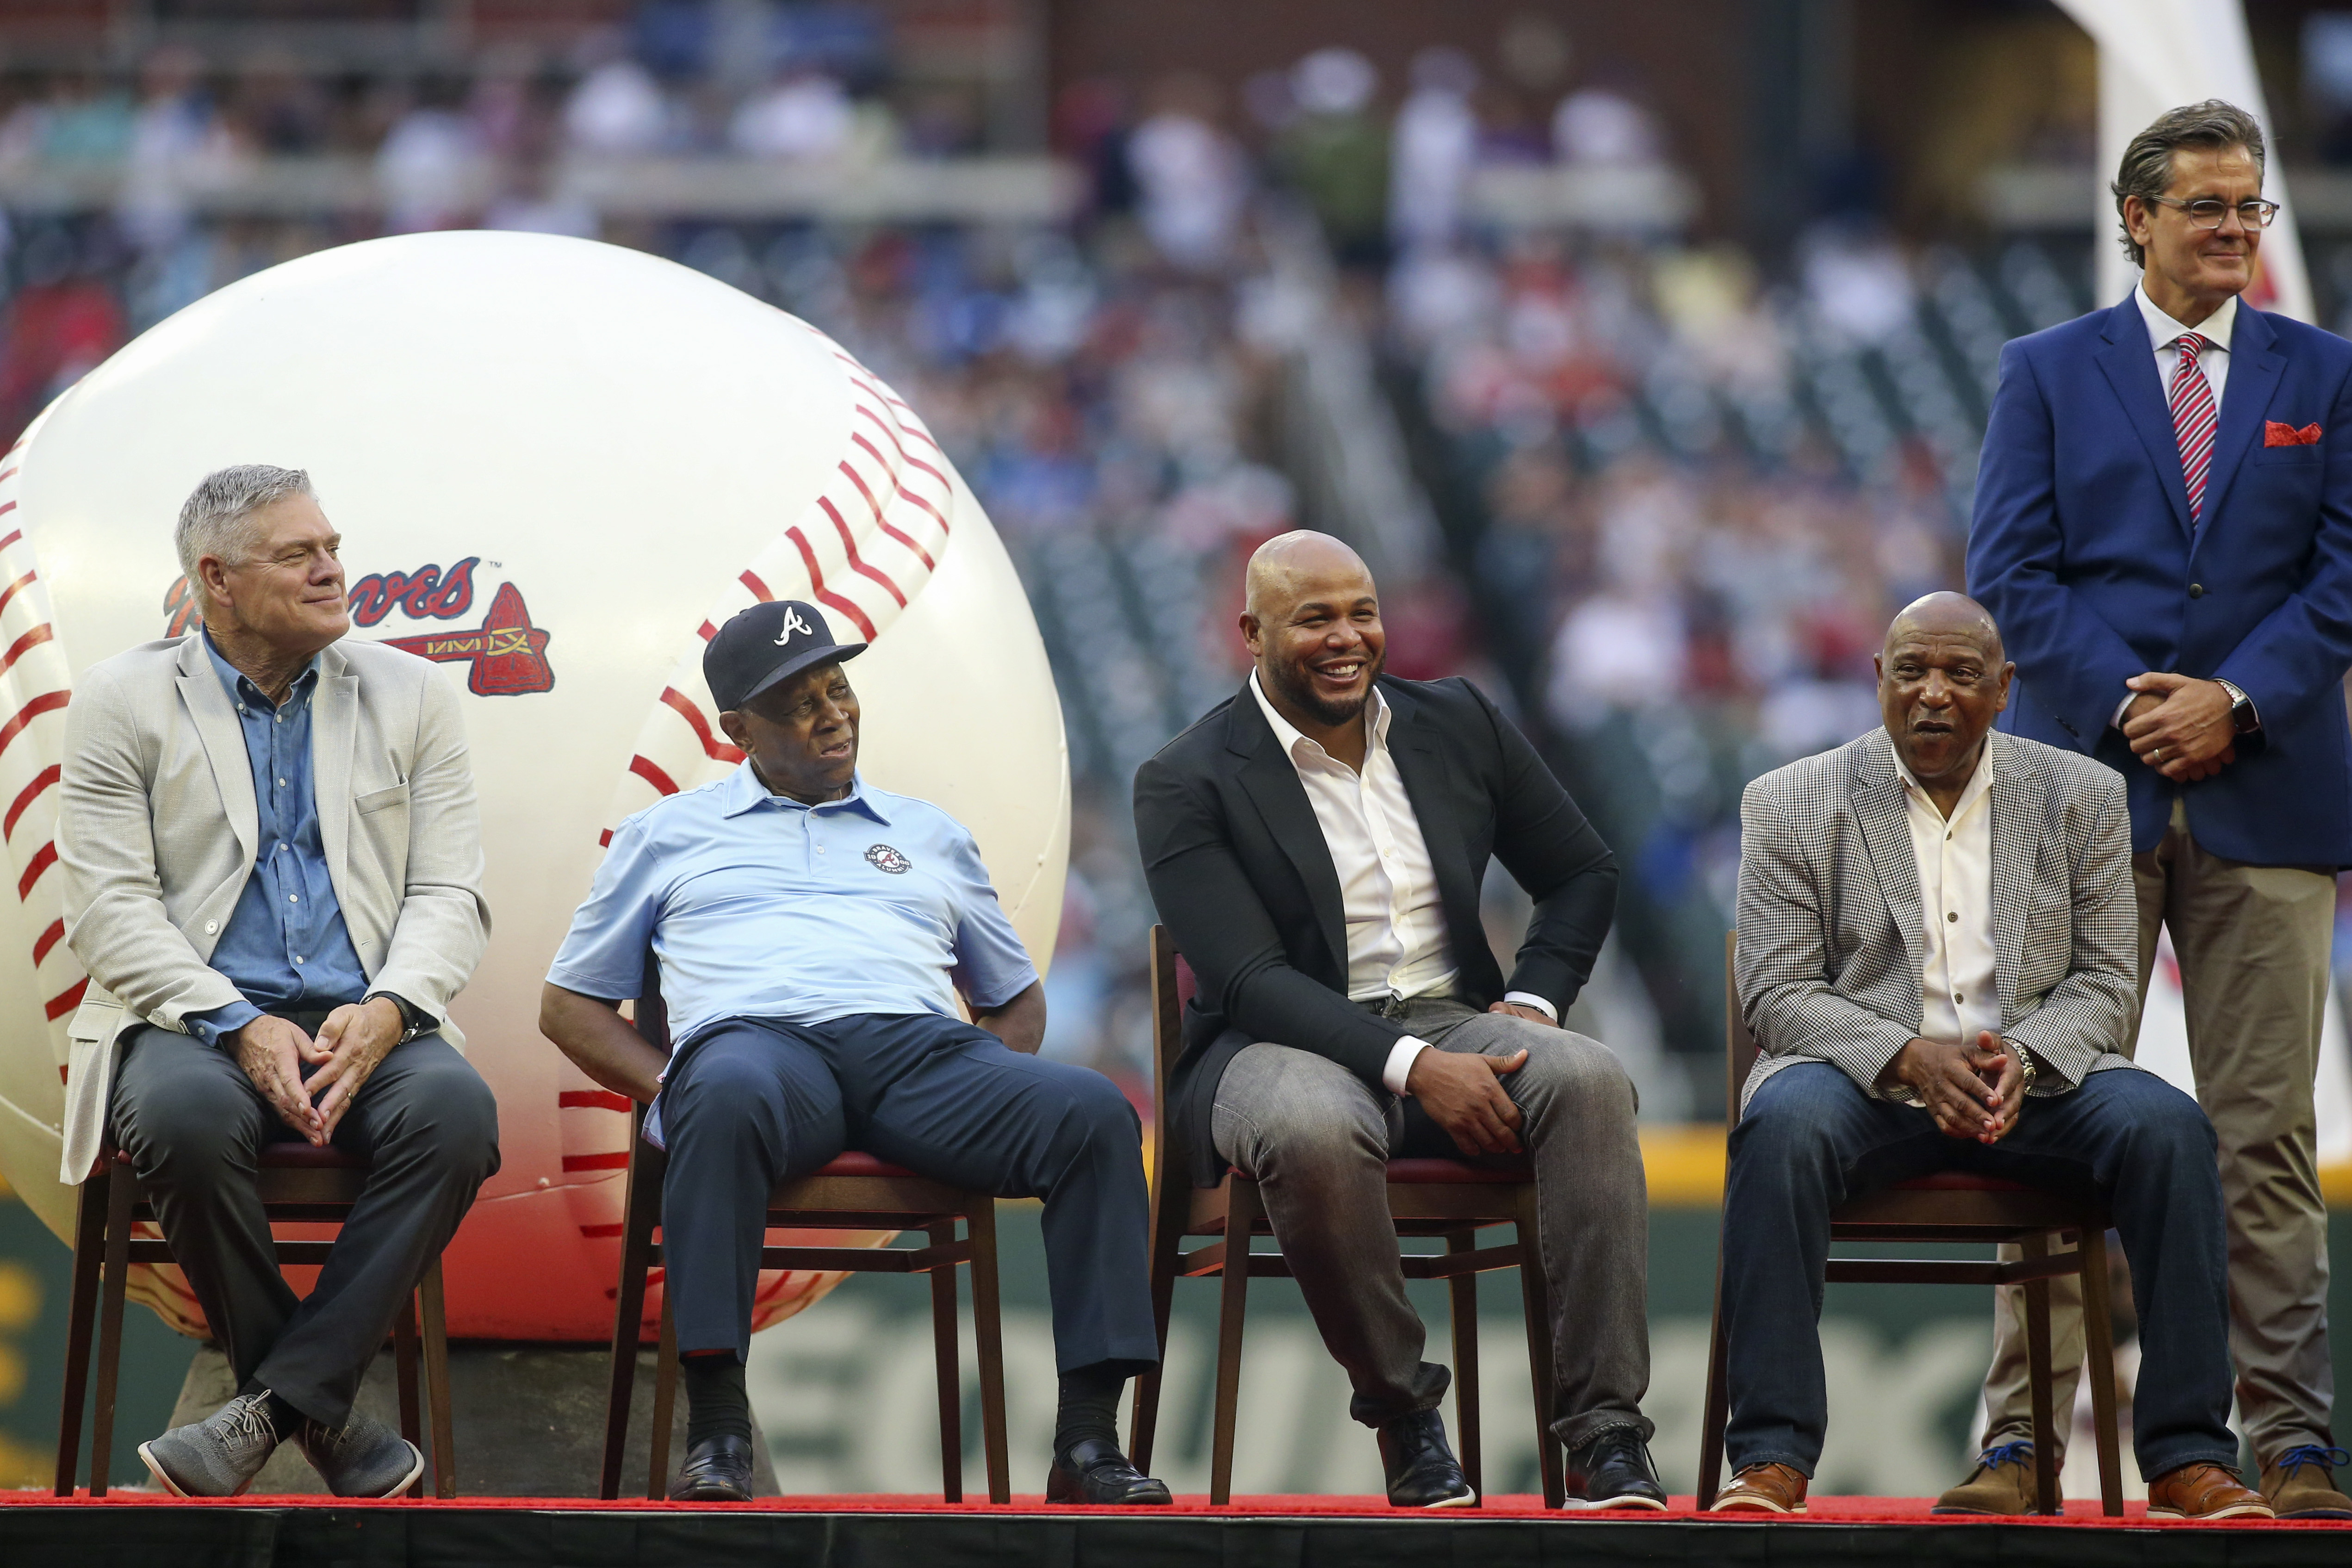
(285, 946)
(760, 906)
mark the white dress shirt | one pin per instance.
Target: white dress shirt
(1389, 901)
(2164, 337)
(1957, 993)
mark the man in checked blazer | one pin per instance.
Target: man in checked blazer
(273, 872)
(1936, 957)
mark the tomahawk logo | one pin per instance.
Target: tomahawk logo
(792, 622)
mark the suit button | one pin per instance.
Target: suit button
(2196, 591)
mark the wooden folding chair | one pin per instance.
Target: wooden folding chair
(1436, 1197)
(1950, 1206)
(852, 1192)
(298, 1185)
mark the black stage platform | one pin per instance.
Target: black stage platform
(133, 1531)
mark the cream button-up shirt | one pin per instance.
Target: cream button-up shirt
(1397, 944)
(1957, 993)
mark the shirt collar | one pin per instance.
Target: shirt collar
(1288, 734)
(742, 792)
(1979, 782)
(242, 690)
(2163, 331)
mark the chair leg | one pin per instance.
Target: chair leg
(988, 1328)
(2037, 1354)
(404, 1364)
(949, 1365)
(639, 1206)
(1167, 1241)
(119, 1192)
(664, 1399)
(1534, 1299)
(81, 1315)
(2099, 1351)
(1243, 1208)
(1716, 1413)
(1462, 1308)
(442, 1416)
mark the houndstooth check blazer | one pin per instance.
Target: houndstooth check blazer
(1830, 935)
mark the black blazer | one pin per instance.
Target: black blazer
(1242, 880)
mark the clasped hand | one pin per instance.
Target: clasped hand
(2180, 725)
(1973, 1092)
(350, 1044)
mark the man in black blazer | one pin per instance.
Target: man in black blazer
(1317, 844)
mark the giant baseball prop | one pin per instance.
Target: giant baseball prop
(557, 465)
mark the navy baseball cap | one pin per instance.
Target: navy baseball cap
(767, 644)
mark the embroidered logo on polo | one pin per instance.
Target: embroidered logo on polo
(882, 857)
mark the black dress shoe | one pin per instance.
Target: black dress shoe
(717, 1469)
(1421, 1469)
(1096, 1471)
(1613, 1470)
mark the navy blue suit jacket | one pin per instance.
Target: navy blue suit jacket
(2080, 548)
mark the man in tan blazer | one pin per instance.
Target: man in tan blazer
(273, 868)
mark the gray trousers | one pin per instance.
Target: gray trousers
(2253, 943)
(193, 1123)
(1317, 1139)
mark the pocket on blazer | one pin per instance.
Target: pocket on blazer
(381, 800)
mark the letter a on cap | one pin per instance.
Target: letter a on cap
(792, 622)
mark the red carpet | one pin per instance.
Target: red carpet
(1825, 1511)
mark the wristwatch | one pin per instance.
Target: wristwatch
(2243, 720)
(2024, 1067)
(414, 1021)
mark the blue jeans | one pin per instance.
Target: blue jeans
(751, 1102)
(1811, 1139)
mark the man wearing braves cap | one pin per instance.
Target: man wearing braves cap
(813, 933)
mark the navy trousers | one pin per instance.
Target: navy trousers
(751, 1102)
(1811, 1139)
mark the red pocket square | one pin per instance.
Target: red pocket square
(2277, 435)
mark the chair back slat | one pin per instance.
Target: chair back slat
(1169, 972)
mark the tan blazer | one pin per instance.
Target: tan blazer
(157, 833)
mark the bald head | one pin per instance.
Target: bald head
(1312, 619)
(1946, 613)
(1288, 564)
(1942, 680)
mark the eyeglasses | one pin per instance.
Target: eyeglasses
(2208, 215)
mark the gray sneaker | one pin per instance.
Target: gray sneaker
(217, 1456)
(366, 1459)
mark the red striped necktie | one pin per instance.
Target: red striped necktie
(2194, 417)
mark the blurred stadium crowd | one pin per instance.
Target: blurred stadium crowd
(1667, 503)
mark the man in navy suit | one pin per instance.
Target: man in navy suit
(2164, 532)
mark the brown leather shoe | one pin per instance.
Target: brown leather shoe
(1763, 1488)
(2203, 1491)
(2301, 1483)
(2002, 1483)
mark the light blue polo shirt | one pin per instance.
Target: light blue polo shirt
(758, 907)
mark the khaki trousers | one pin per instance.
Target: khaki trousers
(2252, 942)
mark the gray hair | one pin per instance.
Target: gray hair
(2147, 171)
(215, 519)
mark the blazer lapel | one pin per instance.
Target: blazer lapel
(2012, 865)
(2255, 366)
(1271, 780)
(335, 726)
(1879, 810)
(215, 718)
(2129, 364)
